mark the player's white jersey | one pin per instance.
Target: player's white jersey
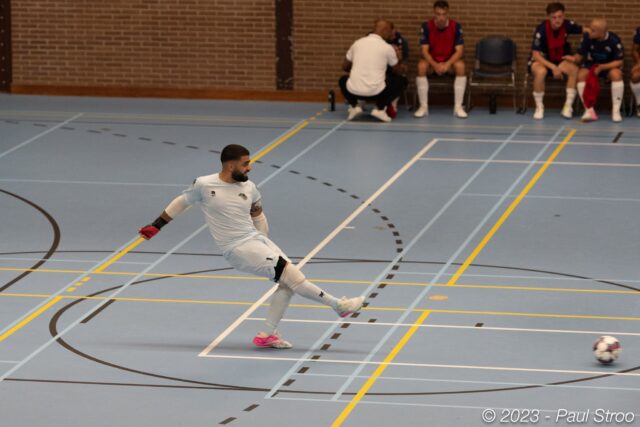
(226, 208)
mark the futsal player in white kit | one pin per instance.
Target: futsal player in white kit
(232, 208)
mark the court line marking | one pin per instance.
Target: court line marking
(426, 405)
(37, 309)
(519, 162)
(463, 327)
(381, 367)
(29, 318)
(366, 282)
(513, 204)
(537, 142)
(322, 307)
(388, 362)
(428, 288)
(386, 270)
(347, 411)
(588, 199)
(492, 383)
(54, 181)
(100, 268)
(79, 261)
(363, 206)
(40, 135)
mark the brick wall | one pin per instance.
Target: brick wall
(144, 43)
(231, 44)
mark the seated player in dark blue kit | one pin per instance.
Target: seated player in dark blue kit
(401, 46)
(603, 50)
(635, 71)
(550, 53)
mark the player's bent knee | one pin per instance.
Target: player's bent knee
(615, 75)
(279, 268)
(423, 68)
(291, 277)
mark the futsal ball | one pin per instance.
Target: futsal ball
(606, 349)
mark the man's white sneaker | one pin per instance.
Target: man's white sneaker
(347, 306)
(380, 115)
(354, 112)
(539, 113)
(459, 112)
(422, 111)
(616, 116)
(589, 115)
(567, 112)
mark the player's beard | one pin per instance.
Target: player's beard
(239, 176)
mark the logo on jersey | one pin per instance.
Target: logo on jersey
(213, 193)
(242, 196)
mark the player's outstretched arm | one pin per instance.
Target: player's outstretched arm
(175, 208)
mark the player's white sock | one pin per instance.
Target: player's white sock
(293, 278)
(279, 303)
(571, 96)
(580, 87)
(459, 86)
(635, 88)
(538, 97)
(422, 87)
(617, 91)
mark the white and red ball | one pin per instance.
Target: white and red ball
(606, 349)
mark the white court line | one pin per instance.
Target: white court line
(506, 276)
(429, 405)
(526, 162)
(536, 142)
(473, 328)
(53, 181)
(585, 198)
(422, 365)
(320, 246)
(79, 261)
(491, 383)
(40, 135)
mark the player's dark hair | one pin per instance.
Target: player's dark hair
(441, 4)
(233, 152)
(554, 7)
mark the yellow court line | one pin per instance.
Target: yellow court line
(280, 140)
(511, 208)
(30, 318)
(379, 370)
(323, 307)
(333, 281)
(119, 255)
(345, 413)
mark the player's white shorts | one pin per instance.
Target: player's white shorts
(257, 256)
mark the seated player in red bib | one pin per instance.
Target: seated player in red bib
(441, 49)
(550, 53)
(635, 71)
